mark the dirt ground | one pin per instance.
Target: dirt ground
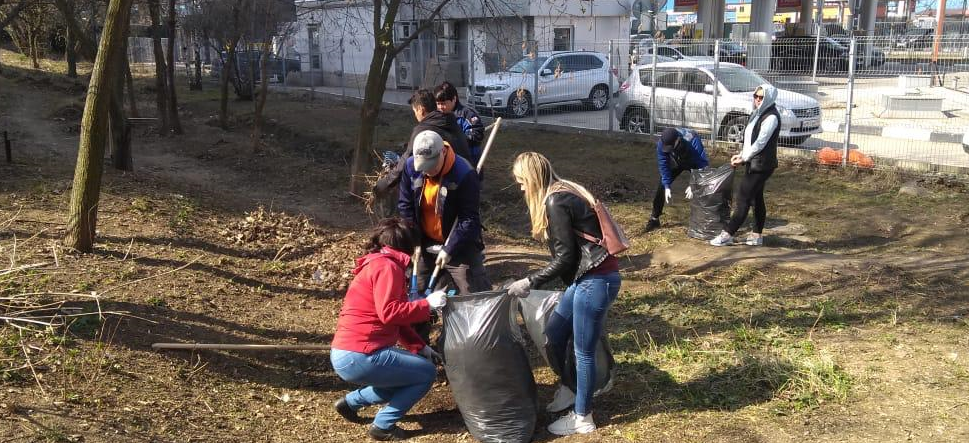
(849, 326)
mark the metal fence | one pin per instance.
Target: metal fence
(887, 97)
(884, 97)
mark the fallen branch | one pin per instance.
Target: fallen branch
(101, 294)
(240, 347)
(21, 268)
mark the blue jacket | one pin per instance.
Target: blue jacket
(473, 129)
(697, 153)
(461, 195)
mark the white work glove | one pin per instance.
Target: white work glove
(689, 192)
(430, 354)
(437, 299)
(520, 288)
(442, 258)
(669, 195)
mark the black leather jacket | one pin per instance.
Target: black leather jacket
(572, 255)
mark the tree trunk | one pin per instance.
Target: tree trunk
(130, 84)
(161, 96)
(172, 100)
(227, 66)
(261, 99)
(369, 111)
(32, 42)
(85, 194)
(70, 52)
(197, 84)
(86, 47)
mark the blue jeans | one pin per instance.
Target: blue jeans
(391, 375)
(580, 314)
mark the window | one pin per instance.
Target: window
(668, 79)
(694, 80)
(667, 52)
(562, 39)
(646, 77)
(591, 62)
(315, 61)
(313, 38)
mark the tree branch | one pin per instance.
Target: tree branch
(86, 47)
(12, 15)
(429, 21)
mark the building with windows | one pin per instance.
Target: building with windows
(470, 38)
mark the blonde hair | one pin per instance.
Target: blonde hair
(535, 173)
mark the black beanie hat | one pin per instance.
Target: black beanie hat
(669, 137)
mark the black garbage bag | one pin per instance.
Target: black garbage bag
(536, 309)
(710, 207)
(488, 368)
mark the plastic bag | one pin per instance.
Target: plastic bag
(536, 309)
(488, 368)
(710, 206)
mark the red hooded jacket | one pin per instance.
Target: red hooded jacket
(376, 313)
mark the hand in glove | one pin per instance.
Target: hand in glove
(689, 192)
(430, 354)
(520, 288)
(437, 299)
(442, 258)
(669, 195)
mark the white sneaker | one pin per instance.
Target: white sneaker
(573, 424)
(564, 399)
(755, 240)
(723, 239)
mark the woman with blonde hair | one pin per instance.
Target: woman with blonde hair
(561, 211)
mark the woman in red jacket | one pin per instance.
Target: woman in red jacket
(375, 317)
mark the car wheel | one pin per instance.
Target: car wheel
(733, 131)
(637, 121)
(795, 141)
(519, 104)
(598, 98)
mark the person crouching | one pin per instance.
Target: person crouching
(375, 317)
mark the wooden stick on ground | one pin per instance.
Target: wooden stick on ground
(240, 347)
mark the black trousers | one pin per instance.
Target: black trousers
(464, 273)
(659, 200)
(751, 193)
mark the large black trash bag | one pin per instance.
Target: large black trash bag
(536, 310)
(488, 368)
(710, 207)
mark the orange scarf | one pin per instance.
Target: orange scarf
(431, 214)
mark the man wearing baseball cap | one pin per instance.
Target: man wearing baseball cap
(677, 151)
(438, 187)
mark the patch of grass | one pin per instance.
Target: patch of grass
(183, 214)
(141, 205)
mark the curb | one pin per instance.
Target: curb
(896, 132)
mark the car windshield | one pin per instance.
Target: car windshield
(739, 79)
(731, 46)
(915, 32)
(527, 65)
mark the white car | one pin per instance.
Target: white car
(684, 98)
(642, 53)
(567, 76)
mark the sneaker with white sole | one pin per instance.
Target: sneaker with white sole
(755, 241)
(723, 239)
(564, 399)
(573, 424)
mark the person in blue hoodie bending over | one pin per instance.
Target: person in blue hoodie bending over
(677, 151)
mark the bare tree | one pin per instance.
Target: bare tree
(161, 72)
(30, 30)
(173, 119)
(85, 194)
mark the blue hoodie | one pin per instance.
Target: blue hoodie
(697, 154)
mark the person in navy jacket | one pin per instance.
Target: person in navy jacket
(437, 188)
(677, 151)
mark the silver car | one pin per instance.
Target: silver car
(572, 76)
(684, 98)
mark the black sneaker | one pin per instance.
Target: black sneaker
(392, 434)
(343, 408)
(652, 224)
